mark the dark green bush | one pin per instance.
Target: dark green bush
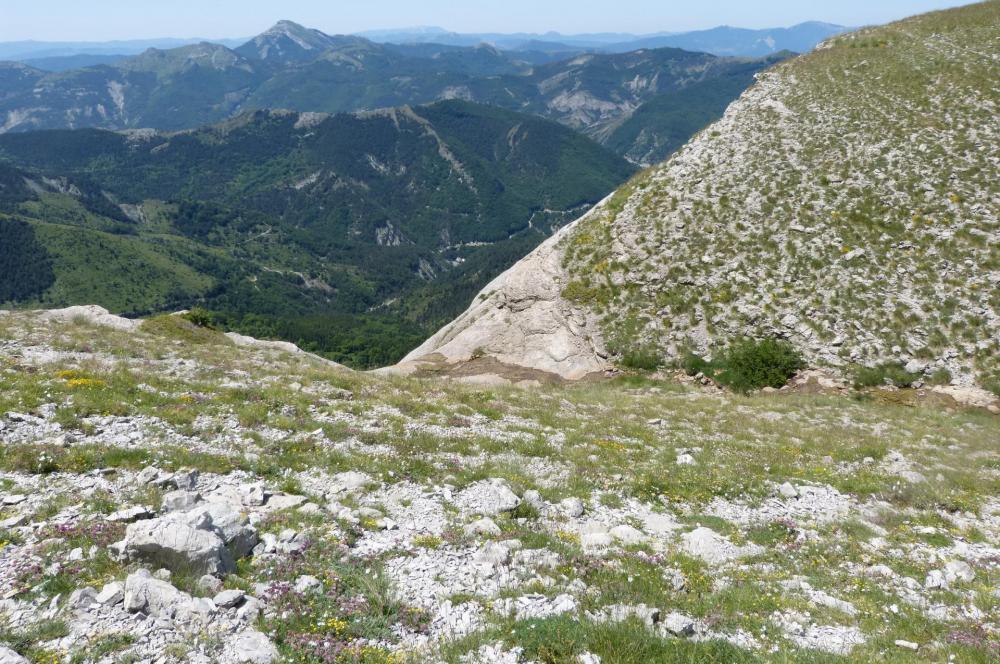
(201, 318)
(748, 365)
(888, 373)
(695, 364)
(751, 365)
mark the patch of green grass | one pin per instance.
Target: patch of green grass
(941, 376)
(27, 641)
(643, 358)
(890, 373)
(525, 510)
(102, 646)
(179, 328)
(561, 640)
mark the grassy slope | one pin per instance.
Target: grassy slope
(603, 441)
(853, 189)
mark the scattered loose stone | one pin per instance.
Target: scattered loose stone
(572, 507)
(180, 500)
(686, 460)
(307, 584)
(677, 624)
(152, 596)
(252, 647)
(484, 526)
(209, 583)
(228, 599)
(487, 497)
(111, 594)
(936, 579)
(959, 571)
(178, 545)
(787, 490)
(713, 548)
(8, 656)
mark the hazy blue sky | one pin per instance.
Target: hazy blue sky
(99, 20)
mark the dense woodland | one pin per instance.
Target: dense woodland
(355, 236)
(25, 265)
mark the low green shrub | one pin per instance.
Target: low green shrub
(580, 293)
(748, 365)
(992, 384)
(751, 365)
(644, 358)
(887, 373)
(200, 318)
(182, 329)
(693, 365)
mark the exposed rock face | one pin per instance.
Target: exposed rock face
(92, 314)
(244, 341)
(521, 319)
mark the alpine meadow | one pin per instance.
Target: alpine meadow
(415, 346)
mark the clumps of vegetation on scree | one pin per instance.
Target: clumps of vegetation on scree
(749, 365)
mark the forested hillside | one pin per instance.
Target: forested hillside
(306, 227)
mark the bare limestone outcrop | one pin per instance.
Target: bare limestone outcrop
(521, 319)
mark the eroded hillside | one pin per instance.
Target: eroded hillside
(847, 202)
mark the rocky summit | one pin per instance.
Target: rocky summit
(169, 493)
(847, 203)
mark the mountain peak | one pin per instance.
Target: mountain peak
(287, 41)
(287, 28)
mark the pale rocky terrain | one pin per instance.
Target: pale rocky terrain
(167, 495)
(848, 202)
(521, 319)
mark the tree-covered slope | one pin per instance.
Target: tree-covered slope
(848, 202)
(297, 225)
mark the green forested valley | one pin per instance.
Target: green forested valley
(353, 234)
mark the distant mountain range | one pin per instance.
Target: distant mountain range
(300, 69)
(723, 40)
(34, 50)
